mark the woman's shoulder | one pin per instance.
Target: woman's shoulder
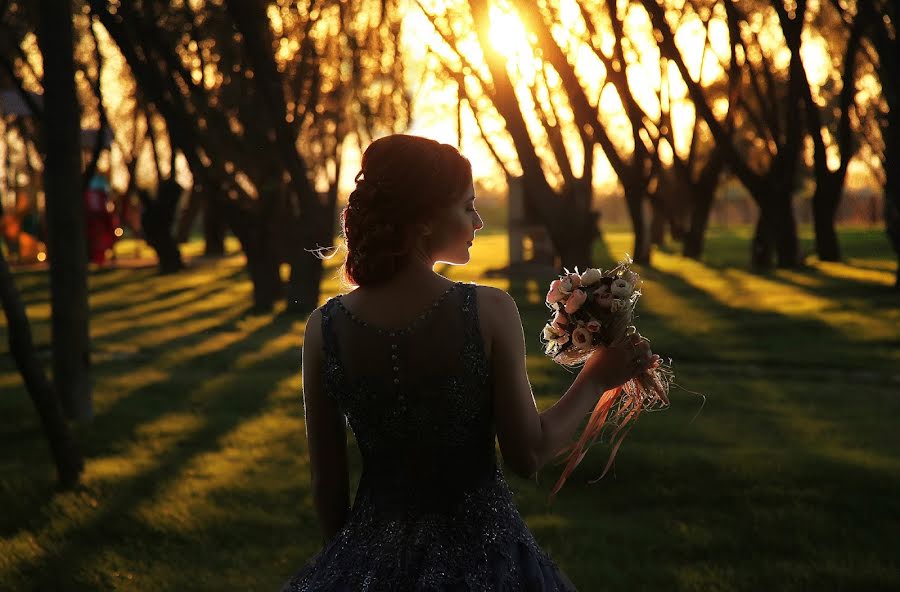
(492, 296)
(496, 307)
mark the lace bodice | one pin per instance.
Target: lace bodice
(432, 510)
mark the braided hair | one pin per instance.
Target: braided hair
(404, 181)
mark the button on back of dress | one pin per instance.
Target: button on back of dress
(408, 328)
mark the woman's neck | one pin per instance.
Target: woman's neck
(417, 275)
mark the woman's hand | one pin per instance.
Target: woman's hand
(615, 365)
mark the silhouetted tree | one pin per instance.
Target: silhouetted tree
(767, 164)
(259, 128)
(63, 447)
(65, 211)
(877, 21)
(157, 221)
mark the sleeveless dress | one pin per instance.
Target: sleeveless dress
(432, 511)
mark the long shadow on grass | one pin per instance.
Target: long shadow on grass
(174, 289)
(117, 427)
(770, 338)
(190, 313)
(829, 286)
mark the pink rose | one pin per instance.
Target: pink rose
(560, 322)
(554, 294)
(581, 338)
(568, 284)
(575, 301)
(576, 280)
(593, 326)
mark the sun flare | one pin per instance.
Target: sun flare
(508, 35)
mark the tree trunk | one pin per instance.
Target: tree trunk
(824, 204)
(65, 212)
(195, 205)
(157, 219)
(577, 248)
(63, 447)
(703, 193)
(316, 230)
(261, 249)
(575, 253)
(634, 197)
(776, 229)
(787, 244)
(213, 229)
(696, 234)
(762, 247)
(658, 220)
(890, 131)
(263, 265)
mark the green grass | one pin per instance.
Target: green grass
(197, 474)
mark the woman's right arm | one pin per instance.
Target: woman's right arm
(529, 439)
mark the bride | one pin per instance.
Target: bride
(428, 374)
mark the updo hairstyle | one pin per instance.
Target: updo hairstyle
(405, 180)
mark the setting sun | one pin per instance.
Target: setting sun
(509, 38)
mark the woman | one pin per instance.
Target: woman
(428, 372)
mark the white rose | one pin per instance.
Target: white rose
(590, 277)
(621, 288)
(550, 333)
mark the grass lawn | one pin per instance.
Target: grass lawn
(788, 478)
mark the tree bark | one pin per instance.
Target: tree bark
(576, 248)
(306, 268)
(762, 247)
(157, 219)
(195, 205)
(634, 197)
(213, 228)
(261, 249)
(658, 221)
(65, 212)
(891, 133)
(787, 243)
(264, 267)
(702, 205)
(776, 230)
(63, 447)
(825, 202)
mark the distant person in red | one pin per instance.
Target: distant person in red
(100, 219)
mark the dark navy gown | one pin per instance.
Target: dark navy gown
(433, 511)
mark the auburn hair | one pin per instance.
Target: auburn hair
(404, 180)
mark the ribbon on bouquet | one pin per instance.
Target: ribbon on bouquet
(644, 392)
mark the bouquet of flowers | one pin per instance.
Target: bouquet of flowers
(595, 309)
